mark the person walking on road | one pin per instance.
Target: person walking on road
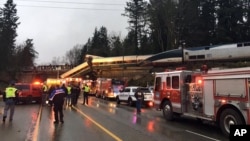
(45, 93)
(74, 94)
(69, 97)
(139, 95)
(10, 97)
(85, 94)
(57, 97)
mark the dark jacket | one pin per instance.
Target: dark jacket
(57, 96)
(65, 90)
(139, 95)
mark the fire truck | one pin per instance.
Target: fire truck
(109, 88)
(221, 96)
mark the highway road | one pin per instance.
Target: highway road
(102, 120)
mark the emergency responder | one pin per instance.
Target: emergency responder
(74, 92)
(139, 95)
(57, 97)
(10, 96)
(86, 91)
(45, 93)
(68, 98)
(78, 91)
(51, 89)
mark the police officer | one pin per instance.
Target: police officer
(85, 94)
(10, 98)
(139, 95)
(57, 97)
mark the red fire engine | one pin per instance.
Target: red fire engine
(221, 96)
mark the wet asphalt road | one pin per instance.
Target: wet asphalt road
(102, 120)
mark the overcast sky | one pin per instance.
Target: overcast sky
(56, 26)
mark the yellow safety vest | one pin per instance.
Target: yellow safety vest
(45, 88)
(86, 89)
(10, 92)
(69, 90)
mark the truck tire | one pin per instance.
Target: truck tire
(229, 117)
(168, 111)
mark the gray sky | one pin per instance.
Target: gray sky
(56, 30)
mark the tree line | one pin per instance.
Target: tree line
(154, 26)
(160, 25)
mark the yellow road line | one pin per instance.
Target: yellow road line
(35, 135)
(99, 125)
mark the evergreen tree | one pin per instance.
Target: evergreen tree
(163, 24)
(136, 11)
(229, 16)
(99, 45)
(8, 34)
(116, 46)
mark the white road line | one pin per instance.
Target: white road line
(202, 135)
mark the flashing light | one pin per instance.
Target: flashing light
(223, 101)
(199, 81)
(37, 83)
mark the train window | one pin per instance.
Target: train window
(207, 48)
(175, 82)
(239, 45)
(168, 82)
(247, 44)
(200, 56)
(192, 57)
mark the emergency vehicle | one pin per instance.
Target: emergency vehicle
(220, 96)
(108, 88)
(29, 92)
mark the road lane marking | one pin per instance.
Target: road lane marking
(99, 125)
(201, 135)
(34, 133)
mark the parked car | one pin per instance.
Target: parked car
(127, 95)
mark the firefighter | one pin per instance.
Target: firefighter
(85, 94)
(139, 95)
(10, 97)
(57, 97)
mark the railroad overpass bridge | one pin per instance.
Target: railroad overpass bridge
(119, 67)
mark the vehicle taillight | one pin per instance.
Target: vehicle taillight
(151, 104)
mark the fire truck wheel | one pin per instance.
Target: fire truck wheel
(168, 111)
(229, 117)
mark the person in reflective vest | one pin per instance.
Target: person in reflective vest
(68, 98)
(45, 93)
(10, 98)
(85, 94)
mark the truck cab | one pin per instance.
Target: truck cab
(29, 92)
